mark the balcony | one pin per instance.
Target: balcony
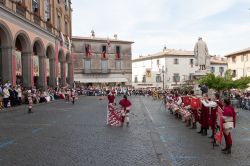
(21, 10)
(96, 71)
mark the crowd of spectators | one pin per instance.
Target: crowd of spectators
(11, 96)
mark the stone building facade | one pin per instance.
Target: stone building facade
(239, 63)
(35, 42)
(170, 69)
(102, 61)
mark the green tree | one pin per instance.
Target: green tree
(219, 83)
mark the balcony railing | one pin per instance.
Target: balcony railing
(21, 10)
(96, 71)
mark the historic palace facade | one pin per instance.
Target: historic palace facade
(35, 42)
(102, 61)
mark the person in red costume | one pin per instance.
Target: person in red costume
(213, 113)
(229, 120)
(204, 116)
(125, 103)
(111, 97)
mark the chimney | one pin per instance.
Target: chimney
(92, 33)
(115, 36)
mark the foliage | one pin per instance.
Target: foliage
(224, 83)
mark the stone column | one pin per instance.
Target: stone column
(63, 74)
(27, 69)
(52, 68)
(42, 83)
(7, 65)
(70, 75)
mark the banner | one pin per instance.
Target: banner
(36, 65)
(114, 116)
(47, 68)
(219, 126)
(18, 63)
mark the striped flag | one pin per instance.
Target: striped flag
(88, 50)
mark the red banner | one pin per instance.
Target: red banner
(219, 130)
(114, 116)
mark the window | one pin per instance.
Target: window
(104, 66)
(176, 77)
(144, 78)
(191, 62)
(234, 59)
(117, 52)
(59, 23)
(221, 70)
(87, 66)
(234, 73)
(158, 62)
(176, 61)
(136, 79)
(158, 78)
(191, 76)
(247, 57)
(66, 5)
(118, 65)
(104, 51)
(242, 58)
(66, 28)
(35, 6)
(47, 10)
(212, 69)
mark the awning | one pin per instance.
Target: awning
(100, 80)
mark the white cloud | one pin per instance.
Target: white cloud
(177, 23)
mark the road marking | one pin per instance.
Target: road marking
(150, 116)
(36, 130)
(6, 142)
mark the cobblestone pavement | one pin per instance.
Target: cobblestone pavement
(62, 134)
(186, 147)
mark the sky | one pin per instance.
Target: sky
(223, 24)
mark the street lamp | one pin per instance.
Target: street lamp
(163, 70)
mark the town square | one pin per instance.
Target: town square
(124, 83)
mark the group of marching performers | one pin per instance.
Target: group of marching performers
(117, 116)
(211, 113)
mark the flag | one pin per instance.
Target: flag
(104, 54)
(219, 129)
(88, 50)
(117, 55)
(114, 116)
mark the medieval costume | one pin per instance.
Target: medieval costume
(125, 103)
(229, 120)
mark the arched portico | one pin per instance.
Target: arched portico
(6, 54)
(23, 57)
(39, 64)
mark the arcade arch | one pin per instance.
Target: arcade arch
(5, 53)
